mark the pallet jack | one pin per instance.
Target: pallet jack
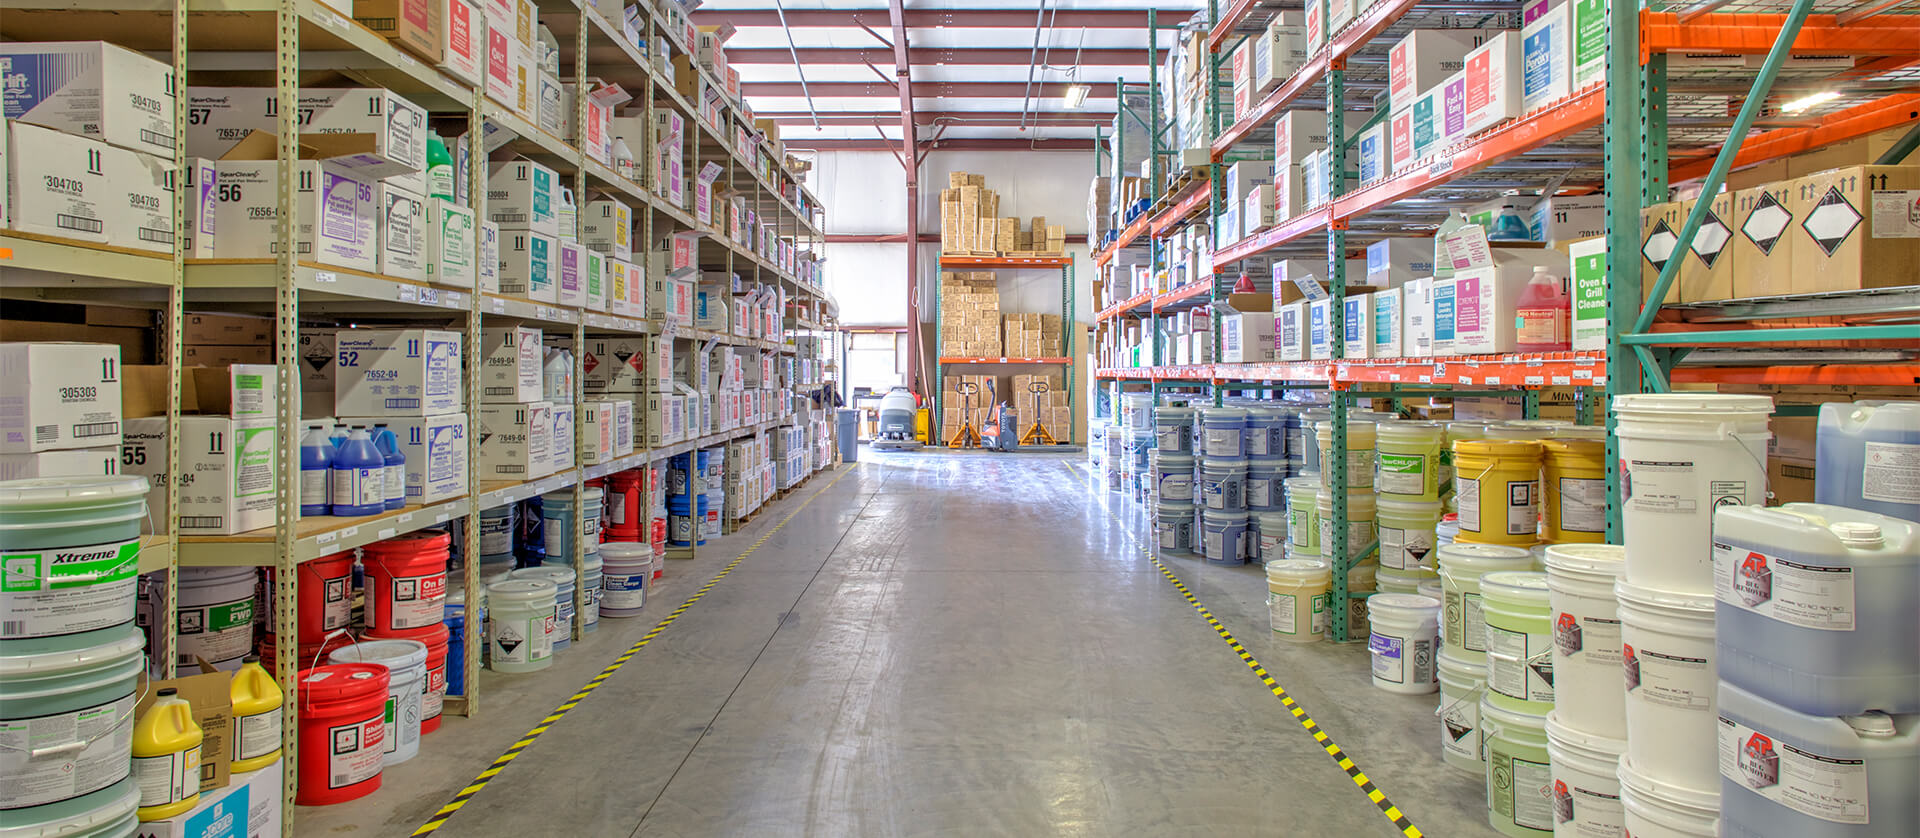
(1037, 433)
(967, 436)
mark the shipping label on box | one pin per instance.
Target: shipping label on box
(1589, 258)
(1429, 123)
(503, 61)
(560, 444)
(1290, 331)
(1376, 154)
(203, 207)
(61, 395)
(623, 431)
(596, 443)
(450, 244)
(1320, 334)
(1388, 323)
(514, 440)
(91, 89)
(527, 266)
(1453, 109)
(463, 51)
(1400, 137)
(510, 365)
(397, 372)
(59, 184)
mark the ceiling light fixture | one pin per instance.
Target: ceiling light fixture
(1077, 95)
(1809, 101)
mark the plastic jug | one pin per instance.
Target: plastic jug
(1869, 457)
(1784, 772)
(359, 476)
(316, 467)
(394, 473)
(166, 757)
(439, 168)
(1544, 314)
(257, 718)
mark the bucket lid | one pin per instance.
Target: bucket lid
(559, 576)
(520, 590)
(1560, 733)
(34, 665)
(434, 635)
(1299, 568)
(1224, 516)
(1593, 433)
(395, 655)
(340, 681)
(418, 541)
(1223, 414)
(1172, 411)
(625, 550)
(1388, 503)
(1645, 596)
(1692, 403)
(1561, 446)
(1467, 552)
(1303, 484)
(1523, 585)
(1604, 559)
(1401, 602)
(563, 497)
(64, 492)
(1706, 805)
(1497, 448)
(1410, 428)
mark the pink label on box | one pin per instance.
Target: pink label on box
(1454, 96)
(1466, 309)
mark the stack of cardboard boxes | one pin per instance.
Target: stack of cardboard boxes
(970, 223)
(969, 315)
(1041, 398)
(1032, 336)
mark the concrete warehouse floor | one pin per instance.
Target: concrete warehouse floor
(935, 644)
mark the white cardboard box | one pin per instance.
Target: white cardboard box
(58, 184)
(463, 48)
(436, 450)
(249, 806)
(92, 89)
(1358, 327)
(1589, 257)
(218, 118)
(227, 469)
(59, 395)
(560, 443)
(514, 440)
(1445, 297)
(398, 128)
(1290, 331)
(623, 430)
(593, 278)
(1416, 305)
(142, 200)
(1546, 59)
(616, 365)
(1246, 337)
(450, 243)
(1298, 133)
(404, 242)
(1394, 261)
(72, 462)
(203, 207)
(1493, 74)
(571, 274)
(510, 365)
(1389, 321)
(1376, 153)
(1320, 334)
(521, 195)
(487, 269)
(336, 217)
(607, 226)
(1425, 58)
(1453, 109)
(1569, 217)
(596, 429)
(397, 372)
(527, 263)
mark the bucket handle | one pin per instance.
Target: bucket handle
(79, 745)
(339, 632)
(1472, 697)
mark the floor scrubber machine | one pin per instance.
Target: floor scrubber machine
(896, 422)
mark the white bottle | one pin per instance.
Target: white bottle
(549, 51)
(568, 214)
(623, 160)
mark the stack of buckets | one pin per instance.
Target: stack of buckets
(1135, 440)
(1267, 472)
(1171, 486)
(686, 511)
(1221, 459)
(406, 630)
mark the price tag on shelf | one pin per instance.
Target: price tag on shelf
(1583, 373)
(1426, 379)
(330, 19)
(1536, 362)
(440, 518)
(1562, 380)
(1493, 379)
(407, 293)
(326, 537)
(430, 296)
(348, 533)
(1440, 167)
(1440, 370)
(1531, 380)
(1343, 371)
(1464, 379)
(325, 276)
(385, 534)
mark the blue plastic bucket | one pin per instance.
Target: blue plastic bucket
(1172, 477)
(1223, 484)
(1174, 529)
(1266, 433)
(683, 523)
(1265, 489)
(1173, 428)
(1223, 536)
(1223, 432)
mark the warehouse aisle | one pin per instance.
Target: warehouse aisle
(936, 644)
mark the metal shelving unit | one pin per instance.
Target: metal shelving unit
(1651, 123)
(275, 43)
(1067, 327)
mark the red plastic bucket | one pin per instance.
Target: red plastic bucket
(309, 654)
(407, 584)
(436, 640)
(343, 728)
(624, 521)
(325, 595)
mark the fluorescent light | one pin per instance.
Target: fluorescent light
(1077, 95)
(1809, 101)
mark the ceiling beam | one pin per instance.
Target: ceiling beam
(980, 144)
(973, 56)
(958, 119)
(932, 18)
(921, 89)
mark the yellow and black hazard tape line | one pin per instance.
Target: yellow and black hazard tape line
(1346, 763)
(513, 751)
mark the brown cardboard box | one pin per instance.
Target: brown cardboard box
(1859, 151)
(1789, 480)
(222, 356)
(225, 329)
(413, 25)
(1762, 265)
(1759, 174)
(1855, 228)
(1706, 274)
(1665, 220)
(210, 694)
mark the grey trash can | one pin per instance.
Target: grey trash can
(849, 425)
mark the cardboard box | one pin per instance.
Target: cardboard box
(511, 363)
(596, 429)
(1763, 225)
(1493, 82)
(617, 365)
(391, 132)
(560, 443)
(1391, 262)
(515, 441)
(1246, 337)
(1400, 137)
(1707, 272)
(1357, 327)
(1790, 481)
(1429, 122)
(503, 60)
(1589, 325)
(73, 462)
(593, 278)
(1389, 321)
(1423, 59)
(91, 89)
(336, 216)
(249, 807)
(404, 252)
(142, 201)
(397, 372)
(463, 48)
(1659, 236)
(59, 184)
(417, 26)
(225, 329)
(607, 226)
(227, 469)
(1296, 134)
(521, 196)
(1856, 228)
(1546, 45)
(1562, 218)
(570, 274)
(1320, 335)
(1446, 300)
(203, 207)
(450, 244)
(1376, 153)
(1416, 304)
(208, 691)
(61, 395)
(201, 355)
(528, 266)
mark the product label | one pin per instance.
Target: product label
(1466, 495)
(1795, 593)
(65, 590)
(1586, 812)
(415, 601)
(1829, 788)
(106, 730)
(1260, 491)
(1404, 549)
(1400, 474)
(259, 734)
(359, 486)
(1519, 790)
(433, 691)
(167, 778)
(313, 484)
(1224, 442)
(1523, 507)
(1460, 727)
(1598, 638)
(1303, 526)
(218, 632)
(1359, 468)
(1896, 214)
(1666, 679)
(1583, 504)
(1891, 472)
(1177, 486)
(1465, 621)
(1672, 487)
(1282, 611)
(1359, 536)
(1399, 660)
(496, 534)
(355, 751)
(1519, 664)
(623, 590)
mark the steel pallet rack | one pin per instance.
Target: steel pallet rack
(272, 43)
(1653, 123)
(1064, 264)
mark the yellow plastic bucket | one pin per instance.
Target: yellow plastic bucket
(1574, 477)
(1407, 460)
(1456, 431)
(1496, 484)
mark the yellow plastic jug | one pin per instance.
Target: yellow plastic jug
(256, 716)
(166, 758)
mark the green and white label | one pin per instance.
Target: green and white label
(217, 632)
(66, 590)
(1401, 474)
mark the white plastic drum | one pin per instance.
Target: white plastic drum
(1404, 637)
(1588, 693)
(1666, 643)
(1682, 456)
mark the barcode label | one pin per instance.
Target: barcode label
(156, 138)
(46, 433)
(403, 404)
(156, 236)
(83, 431)
(78, 223)
(13, 628)
(199, 522)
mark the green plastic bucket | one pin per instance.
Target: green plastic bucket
(69, 555)
(74, 704)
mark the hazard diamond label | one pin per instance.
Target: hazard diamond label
(1711, 241)
(1660, 244)
(1767, 223)
(1832, 221)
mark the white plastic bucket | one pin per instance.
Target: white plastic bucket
(1174, 528)
(1303, 515)
(1136, 411)
(1273, 535)
(1666, 642)
(1173, 429)
(1172, 476)
(592, 582)
(1588, 692)
(520, 624)
(1655, 809)
(1519, 777)
(1681, 456)
(563, 579)
(1224, 536)
(626, 568)
(1519, 640)
(1586, 782)
(1223, 432)
(1461, 684)
(406, 663)
(1461, 566)
(1392, 581)
(1407, 462)
(1360, 524)
(1266, 490)
(1224, 484)
(1406, 531)
(1404, 635)
(215, 615)
(1297, 599)
(78, 698)
(1360, 451)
